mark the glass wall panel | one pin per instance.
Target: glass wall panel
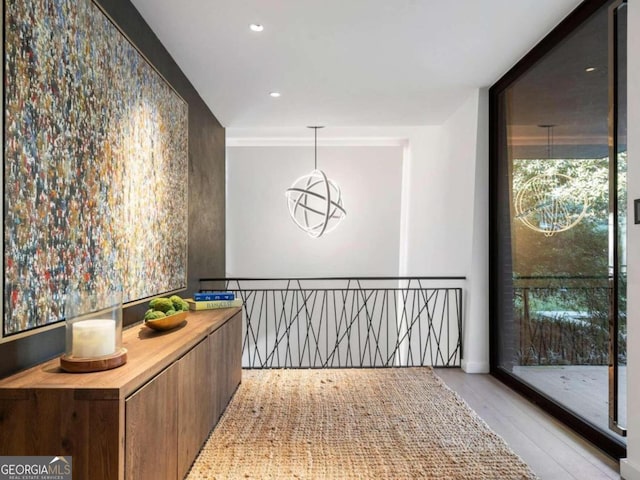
(552, 224)
(621, 199)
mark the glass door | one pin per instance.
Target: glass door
(617, 57)
(559, 223)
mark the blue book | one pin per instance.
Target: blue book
(213, 296)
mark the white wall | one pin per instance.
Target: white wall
(441, 224)
(436, 189)
(466, 152)
(441, 196)
(263, 241)
(630, 468)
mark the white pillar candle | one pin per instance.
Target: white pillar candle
(93, 338)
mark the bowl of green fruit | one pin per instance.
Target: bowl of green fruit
(166, 313)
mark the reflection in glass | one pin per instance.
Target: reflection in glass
(554, 234)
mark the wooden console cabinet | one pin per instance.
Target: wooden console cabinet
(145, 420)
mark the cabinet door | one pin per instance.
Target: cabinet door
(194, 404)
(151, 429)
(64, 421)
(232, 356)
(216, 388)
(226, 356)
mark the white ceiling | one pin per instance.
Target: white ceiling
(346, 62)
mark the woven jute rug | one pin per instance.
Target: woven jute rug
(352, 424)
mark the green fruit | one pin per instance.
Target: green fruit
(177, 302)
(154, 315)
(162, 304)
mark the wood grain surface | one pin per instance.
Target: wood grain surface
(151, 429)
(148, 353)
(161, 404)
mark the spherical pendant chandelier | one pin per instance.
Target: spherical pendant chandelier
(549, 202)
(315, 201)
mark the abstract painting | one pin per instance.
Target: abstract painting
(95, 164)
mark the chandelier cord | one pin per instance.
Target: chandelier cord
(315, 144)
(550, 139)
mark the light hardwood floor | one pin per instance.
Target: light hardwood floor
(584, 387)
(548, 447)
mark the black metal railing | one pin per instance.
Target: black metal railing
(348, 322)
(565, 321)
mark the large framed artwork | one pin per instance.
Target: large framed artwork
(95, 164)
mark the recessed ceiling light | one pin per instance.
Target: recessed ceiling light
(590, 69)
(275, 94)
(256, 27)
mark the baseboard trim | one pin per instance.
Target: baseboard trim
(628, 470)
(474, 367)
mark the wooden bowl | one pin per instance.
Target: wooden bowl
(167, 323)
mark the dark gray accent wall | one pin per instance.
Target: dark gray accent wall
(206, 256)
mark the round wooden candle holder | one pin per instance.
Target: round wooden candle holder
(84, 365)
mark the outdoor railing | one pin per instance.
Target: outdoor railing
(565, 321)
(348, 322)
